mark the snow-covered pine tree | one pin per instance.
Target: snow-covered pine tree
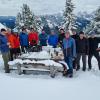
(19, 22)
(97, 21)
(89, 28)
(94, 26)
(44, 20)
(26, 18)
(69, 18)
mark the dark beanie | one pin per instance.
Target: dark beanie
(81, 32)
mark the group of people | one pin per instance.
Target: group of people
(74, 46)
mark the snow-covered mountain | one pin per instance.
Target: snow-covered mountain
(85, 15)
(2, 26)
(83, 19)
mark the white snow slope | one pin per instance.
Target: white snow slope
(84, 86)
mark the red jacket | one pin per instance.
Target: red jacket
(33, 38)
(14, 41)
(17, 42)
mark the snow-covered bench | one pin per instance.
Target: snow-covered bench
(41, 65)
(45, 60)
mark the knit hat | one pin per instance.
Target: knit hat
(81, 32)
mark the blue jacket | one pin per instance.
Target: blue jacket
(53, 40)
(69, 47)
(43, 39)
(24, 39)
(4, 48)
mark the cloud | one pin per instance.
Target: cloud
(86, 5)
(12, 7)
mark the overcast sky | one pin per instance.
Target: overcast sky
(12, 7)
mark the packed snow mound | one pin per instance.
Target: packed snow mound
(37, 55)
(16, 61)
(51, 49)
(44, 62)
(49, 63)
(47, 48)
(28, 61)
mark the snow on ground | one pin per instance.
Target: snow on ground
(84, 86)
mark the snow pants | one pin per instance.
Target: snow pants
(24, 48)
(83, 55)
(69, 61)
(96, 55)
(6, 58)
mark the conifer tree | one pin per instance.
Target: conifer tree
(69, 17)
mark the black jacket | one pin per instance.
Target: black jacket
(61, 38)
(75, 37)
(82, 46)
(93, 44)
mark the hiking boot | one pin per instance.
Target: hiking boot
(70, 75)
(64, 72)
(89, 69)
(84, 69)
(78, 68)
(7, 71)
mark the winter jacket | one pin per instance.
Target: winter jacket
(82, 46)
(69, 47)
(11, 40)
(47, 29)
(17, 41)
(33, 38)
(4, 48)
(24, 39)
(60, 38)
(93, 44)
(53, 40)
(75, 37)
(14, 41)
(43, 39)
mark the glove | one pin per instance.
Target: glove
(34, 41)
(74, 58)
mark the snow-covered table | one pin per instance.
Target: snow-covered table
(38, 61)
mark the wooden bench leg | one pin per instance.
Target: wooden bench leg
(53, 71)
(24, 71)
(19, 69)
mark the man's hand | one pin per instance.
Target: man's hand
(74, 58)
(8, 43)
(98, 49)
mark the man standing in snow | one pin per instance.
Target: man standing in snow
(61, 37)
(24, 40)
(53, 39)
(69, 49)
(93, 50)
(43, 37)
(4, 48)
(14, 45)
(75, 36)
(82, 50)
(33, 38)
